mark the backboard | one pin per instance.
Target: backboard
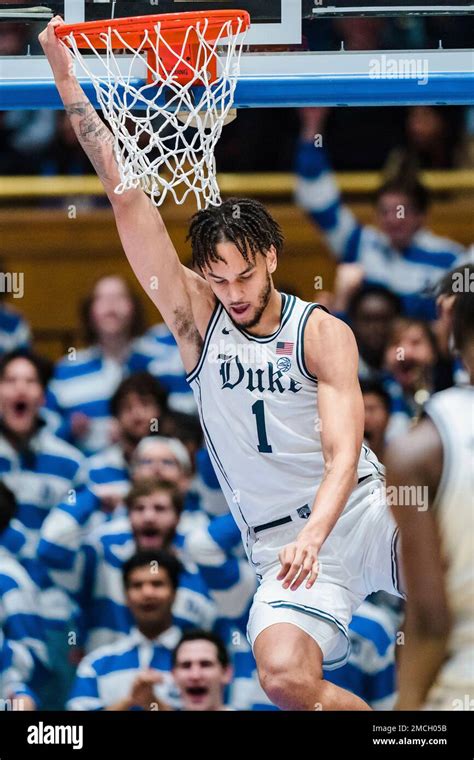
(278, 67)
(274, 22)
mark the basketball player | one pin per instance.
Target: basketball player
(437, 659)
(276, 384)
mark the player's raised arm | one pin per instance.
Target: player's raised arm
(92, 133)
(184, 300)
(331, 355)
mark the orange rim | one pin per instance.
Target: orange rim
(173, 27)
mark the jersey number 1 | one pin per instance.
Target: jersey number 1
(259, 411)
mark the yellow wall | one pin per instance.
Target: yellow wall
(62, 257)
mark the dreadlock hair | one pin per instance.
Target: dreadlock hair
(242, 221)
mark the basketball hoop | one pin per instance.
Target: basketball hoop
(192, 64)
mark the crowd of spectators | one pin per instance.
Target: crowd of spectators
(115, 540)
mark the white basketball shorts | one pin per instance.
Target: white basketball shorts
(358, 558)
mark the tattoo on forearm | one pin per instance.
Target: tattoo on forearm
(80, 108)
(94, 136)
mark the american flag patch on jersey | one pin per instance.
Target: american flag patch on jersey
(284, 347)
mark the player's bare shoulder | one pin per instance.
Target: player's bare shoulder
(329, 343)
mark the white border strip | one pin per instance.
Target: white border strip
(74, 12)
(268, 65)
(394, 10)
(287, 32)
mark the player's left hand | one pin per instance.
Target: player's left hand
(299, 561)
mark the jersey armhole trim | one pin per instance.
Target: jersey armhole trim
(207, 337)
(300, 340)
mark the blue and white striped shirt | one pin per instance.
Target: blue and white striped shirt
(106, 675)
(245, 691)
(370, 672)
(68, 525)
(14, 331)
(407, 273)
(95, 583)
(206, 487)
(21, 611)
(109, 470)
(167, 367)
(218, 552)
(16, 670)
(40, 476)
(86, 384)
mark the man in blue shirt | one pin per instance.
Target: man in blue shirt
(202, 670)
(401, 253)
(134, 673)
(95, 579)
(40, 468)
(21, 621)
(137, 407)
(85, 380)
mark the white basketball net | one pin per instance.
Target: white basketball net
(169, 145)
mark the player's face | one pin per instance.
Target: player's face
(136, 415)
(157, 461)
(112, 307)
(150, 595)
(410, 358)
(21, 396)
(398, 218)
(244, 288)
(200, 676)
(153, 519)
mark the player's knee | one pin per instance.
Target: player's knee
(277, 683)
(286, 684)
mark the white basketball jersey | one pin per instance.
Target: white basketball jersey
(258, 407)
(452, 412)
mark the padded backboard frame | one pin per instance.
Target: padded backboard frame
(282, 78)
